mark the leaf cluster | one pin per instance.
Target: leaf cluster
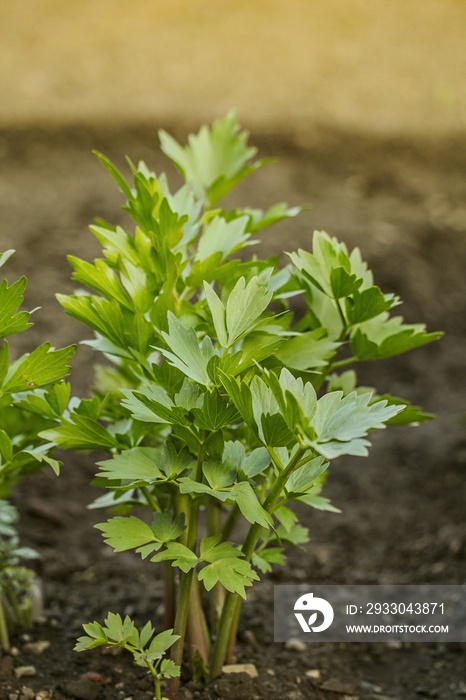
(221, 396)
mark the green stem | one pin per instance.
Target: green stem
(4, 636)
(169, 597)
(181, 618)
(155, 676)
(198, 633)
(343, 321)
(342, 363)
(214, 526)
(158, 690)
(180, 628)
(230, 522)
(230, 614)
(151, 500)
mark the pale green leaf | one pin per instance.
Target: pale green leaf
(245, 305)
(123, 533)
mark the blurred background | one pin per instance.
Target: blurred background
(358, 64)
(364, 104)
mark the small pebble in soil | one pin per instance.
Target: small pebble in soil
(294, 644)
(335, 686)
(37, 647)
(313, 674)
(22, 671)
(44, 695)
(81, 689)
(393, 644)
(26, 693)
(249, 669)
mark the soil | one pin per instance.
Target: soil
(404, 203)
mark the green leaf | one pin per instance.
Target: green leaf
(11, 299)
(384, 337)
(233, 574)
(263, 559)
(146, 633)
(138, 463)
(215, 413)
(123, 533)
(4, 361)
(303, 478)
(410, 415)
(318, 502)
(167, 528)
(245, 305)
(215, 160)
(115, 173)
(263, 219)
(161, 643)
(225, 566)
(85, 643)
(168, 669)
(6, 447)
(343, 283)
(80, 433)
(218, 474)
(285, 517)
(186, 353)
(40, 367)
(367, 304)
(274, 431)
(5, 256)
(179, 554)
(308, 351)
(249, 505)
(118, 630)
(328, 267)
(295, 535)
(222, 237)
(240, 393)
(151, 404)
(341, 422)
(218, 314)
(101, 278)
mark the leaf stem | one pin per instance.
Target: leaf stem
(4, 636)
(232, 606)
(342, 363)
(155, 676)
(181, 618)
(151, 500)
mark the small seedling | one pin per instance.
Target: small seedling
(147, 650)
(230, 392)
(32, 398)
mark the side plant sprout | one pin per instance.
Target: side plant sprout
(230, 390)
(32, 397)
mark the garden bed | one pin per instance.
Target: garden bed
(404, 204)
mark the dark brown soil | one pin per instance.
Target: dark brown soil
(404, 204)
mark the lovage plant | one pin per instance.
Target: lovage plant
(32, 397)
(226, 401)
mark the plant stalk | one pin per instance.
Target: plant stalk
(230, 615)
(198, 633)
(181, 618)
(4, 636)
